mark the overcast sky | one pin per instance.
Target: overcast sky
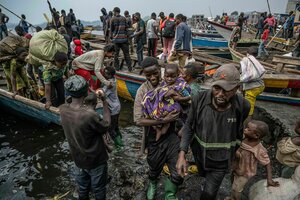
(90, 9)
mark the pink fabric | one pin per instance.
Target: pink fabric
(168, 43)
(248, 156)
(270, 21)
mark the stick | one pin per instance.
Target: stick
(276, 34)
(47, 19)
(269, 6)
(15, 14)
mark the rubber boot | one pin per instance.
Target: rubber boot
(151, 191)
(118, 141)
(170, 190)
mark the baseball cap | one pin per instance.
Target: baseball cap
(76, 86)
(227, 77)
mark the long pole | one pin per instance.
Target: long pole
(269, 6)
(210, 11)
(15, 14)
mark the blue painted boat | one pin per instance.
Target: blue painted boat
(29, 109)
(208, 42)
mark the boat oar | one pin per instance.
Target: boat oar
(15, 14)
(274, 37)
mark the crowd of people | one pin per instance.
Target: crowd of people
(173, 32)
(176, 113)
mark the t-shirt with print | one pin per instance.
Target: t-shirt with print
(52, 74)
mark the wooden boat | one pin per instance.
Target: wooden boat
(27, 108)
(128, 83)
(206, 33)
(30, 109)
(208, 42)
(277, 43)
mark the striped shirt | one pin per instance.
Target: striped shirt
(119, 29)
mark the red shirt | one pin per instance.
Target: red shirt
(265, 35)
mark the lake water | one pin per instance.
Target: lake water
(35, 162)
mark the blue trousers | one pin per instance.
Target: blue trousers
(262, 49)
(3, 29)
(93, 179)
(139, 51)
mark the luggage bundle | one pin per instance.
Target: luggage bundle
(9, 45)
(44, 45)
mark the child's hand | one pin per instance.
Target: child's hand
(272, 183)
(172, 116)
(176, 97)
(170, 93)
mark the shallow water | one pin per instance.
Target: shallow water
(35, 163)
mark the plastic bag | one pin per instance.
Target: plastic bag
(45, 44)
(251, 69)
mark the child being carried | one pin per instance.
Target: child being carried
(166, 98)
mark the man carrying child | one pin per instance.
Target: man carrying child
(166, 148)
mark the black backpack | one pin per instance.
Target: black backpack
(169, 29)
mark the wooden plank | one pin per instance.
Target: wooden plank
(280, 67)
(286, 60)
(29, 102)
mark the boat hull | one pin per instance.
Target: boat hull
(30, 109)
(128, 84)
(208, 42)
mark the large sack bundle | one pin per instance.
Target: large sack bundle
(9, 45)
(46, 43)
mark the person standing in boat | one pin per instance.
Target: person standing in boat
(289, 26)
(24, 24)
(215, 121)
(168, 33)
(3, 28)
(152, 35)
(161, 21)
(55, 15)
(65, 22)
(240, 22)
(182, 47)
(85, 139)
(260, 26)
(140, 37)
(270, 20)
(53, 79)
(129, 30)
(165, 150)
(71, 17)
(251, 87)
(118, 34)
(90, 65)
(263, 42)
(14, 70)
